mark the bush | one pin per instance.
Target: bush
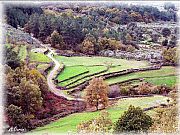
(102, 124)
(133, 120)
(144, 88)
(163, 89)
(166, 32)
(165, 120)
(170, 56)
(124, 91)
(130, 48)
(114, 91)
(165, 42)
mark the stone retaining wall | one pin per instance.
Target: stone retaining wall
(85, 77)
(109, 75)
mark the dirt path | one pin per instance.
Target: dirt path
(52, 74)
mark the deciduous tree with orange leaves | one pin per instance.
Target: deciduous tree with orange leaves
(97, 94)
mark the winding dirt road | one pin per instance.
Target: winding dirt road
(52, 74)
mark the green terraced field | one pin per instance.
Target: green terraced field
(91, 64)
(71, 71)
(87, 61)
(92, 70)
(22, 52)
(69, 123)
(168, 80)
(38, 57)
(164, 71)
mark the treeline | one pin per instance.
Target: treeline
(19, 15)
(74, 24)
(123, 14)
(73, 29)
(25, 91)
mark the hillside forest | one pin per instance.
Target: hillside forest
(73, 67)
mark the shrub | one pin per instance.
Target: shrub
(133, 120)
(165, 42)
(170, 55)
(114, 91)
(130, 48)
(166, 32)
(165, 120)
(102, 123)
(144, 88)
(163, 89)
(124, 90)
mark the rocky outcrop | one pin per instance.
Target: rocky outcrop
(15, 35)
(153, 56)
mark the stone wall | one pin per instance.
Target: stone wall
(81, 86)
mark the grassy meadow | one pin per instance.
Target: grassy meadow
(69, 123)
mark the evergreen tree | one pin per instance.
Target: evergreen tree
(57, 40)
(133, 120)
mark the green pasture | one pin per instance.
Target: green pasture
(93, 65)
(164, 71)
(69, 123)
(38, 57)
(168, 80)
(87, 61)
(71, 71)
(22, 52)
(42, 66)
(92, 70)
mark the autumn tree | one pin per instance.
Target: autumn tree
(128, 38)
(31, 96)
(16, 118)
(101, 124)
(133, 120)
(57, 40)
(25, 89)
(103, 43)
(144, 88)
(88, 45)
(39, 80)
(136, 17)
(170, 55)
(97, 94)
